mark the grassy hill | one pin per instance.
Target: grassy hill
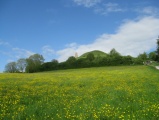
(113, 93)
(96, 53)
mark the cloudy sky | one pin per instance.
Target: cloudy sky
(59, 28)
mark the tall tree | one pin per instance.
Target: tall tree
(37, 58)
(34, 62)
(157, 52)
(54, 64)
(152, 56)
(114, 53)
(11, 67)
(21, 64)
(142, 56)
(71, 62)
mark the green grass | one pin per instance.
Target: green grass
(124, 92)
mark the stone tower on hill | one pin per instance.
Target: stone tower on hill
(76, 55)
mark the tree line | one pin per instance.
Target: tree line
(35, 63)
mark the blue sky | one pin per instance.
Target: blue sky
(59, 28)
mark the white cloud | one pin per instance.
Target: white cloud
(72, 45)
(87, 3)
(4, 43)
(14, 52)
(5, 53)
(148, 11)
(102, 8)
(21, 53)
(109, 8)
(113, 7)
(131, 38)
(65, 53)
(48, 52)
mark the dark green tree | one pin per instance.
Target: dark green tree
(54, 64)
(30, 67)
(34, 62)
(54, 61)
(152, 56)
(90, 57)
(115, 57)
(127, 60)
(157, 51)
(143, 56)
(71, 62)
(114, 53)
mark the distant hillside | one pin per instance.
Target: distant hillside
(96, 53)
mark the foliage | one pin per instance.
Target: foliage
(71, 62)
(143, 56)
(96, 58)
(34, 63)
(21, 64)
(157, 51)
(11, 67)
(152, 56)
(90, 57)
(106, 93)
(55, 61)
(48, 66)
(114, 53)
(37, 58)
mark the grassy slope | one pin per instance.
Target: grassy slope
(130, 92)
(154, 63)
(96, 53)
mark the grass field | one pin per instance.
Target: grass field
(106, 93)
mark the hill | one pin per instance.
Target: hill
(96, 53)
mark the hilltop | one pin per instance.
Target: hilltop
(96, 54)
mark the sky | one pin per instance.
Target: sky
(57, 29)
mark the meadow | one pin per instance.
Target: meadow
(104, 93)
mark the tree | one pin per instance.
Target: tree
(115, 57)
(38, 59)
(34, 62)
(71, 62)
(21, 64)
(114, 53)
(54, 64)
(127, 60)
(152, 56)
(142, 56)
(30, 68)
(11, 67)
(157, 51)
(54, 61)
(90, 57)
